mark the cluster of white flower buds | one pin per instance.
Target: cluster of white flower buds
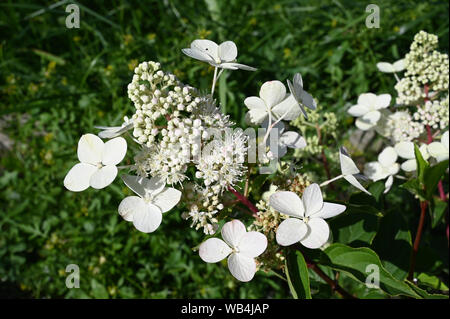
(400, 126)
(424, 66)
(434, 113)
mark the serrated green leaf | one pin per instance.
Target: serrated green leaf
(422, 293)
(413, 186)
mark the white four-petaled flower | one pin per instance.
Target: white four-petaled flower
(385, 167)
(368, 109)
(302, 97)
(145, 210)
(241, 246)
(439, 150)
(221, 56)
(306, 223)
(272, 100)
(98, 160)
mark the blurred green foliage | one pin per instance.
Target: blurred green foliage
(57, 83)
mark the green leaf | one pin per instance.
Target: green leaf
(377, 189)
(422, 164)
(98, 290)
(297, 275)
(422, 293)
(432, 176)
(432, 281)
(437, 209)
(413, 185)
(356, 262)
(393, 244)
(356, 227)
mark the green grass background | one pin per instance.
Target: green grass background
(57, 83)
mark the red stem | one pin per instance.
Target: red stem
(244, 200)
(412, 264)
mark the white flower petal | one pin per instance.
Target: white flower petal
(147, 220)
(445, 139)
(374, 171)
(436, 149)
(287, 203)
(297, 97)
(139, 185)
(257, 109)
(77, 179)
(214, 250)
(388, 184)
(253, 244)
(293, 140)
(227, 51)
(367, 99)
(409, 165)
(272, 92)
(363, 125)
(103, 177)
(308, 100)
(130, 205)
(233, 231)
(387, 157)
(90, 149)
(167, 199)
(288, 108)
(385, 67)
(235, 66)
(399, 65)
(358, 110)
(372, 117)
(312, 199)
(198, 55)
(352, 180)
(383, 101)
(291, 231)
(114, 151)
(329, 210)
(348, 167)
(405, 150)
(243, 268)
(317, 235)
(207, 46)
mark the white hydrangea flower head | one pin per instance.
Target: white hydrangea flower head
(367, 110)
(406, 150)
(145, 210)
(439, 150)
(221, 56)
(240, 246)
(98, 160)
(307, 217)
